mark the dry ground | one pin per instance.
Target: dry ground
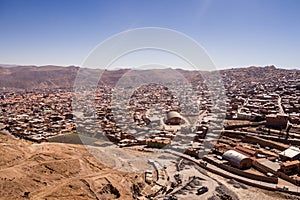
(245, 192)
(58, 171)
(69, 171)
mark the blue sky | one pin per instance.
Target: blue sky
(235, 33)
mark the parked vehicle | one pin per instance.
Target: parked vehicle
(285, 188)
(202, 190)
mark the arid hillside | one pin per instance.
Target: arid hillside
(58, 171)
(28, 77)
(33, 77)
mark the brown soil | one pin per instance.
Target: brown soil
(58, 171)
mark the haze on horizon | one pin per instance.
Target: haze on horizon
(234, 33)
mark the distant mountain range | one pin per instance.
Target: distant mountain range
(31, 77)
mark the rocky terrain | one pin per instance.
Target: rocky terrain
(27, 77)
(58, 171)
(68, 171)
(32, 77)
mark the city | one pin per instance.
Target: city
(258, 143)
(149, 100)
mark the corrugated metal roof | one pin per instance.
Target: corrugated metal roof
(234, 156)
(269, 164)
(289, 163)
(290, 152)
(173, 114)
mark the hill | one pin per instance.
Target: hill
(58, 171)
(49, 77)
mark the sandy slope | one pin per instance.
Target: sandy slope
(57, 171)
(69, 171)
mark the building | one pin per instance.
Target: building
(291, 153)
(246, 151)
(277, 121)
(193, 152)
(290, 167)
(148, 176)
(266, 166)
(237, 159)
(157, 142)
(244, 116)
(173, 122)
(174, 118)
